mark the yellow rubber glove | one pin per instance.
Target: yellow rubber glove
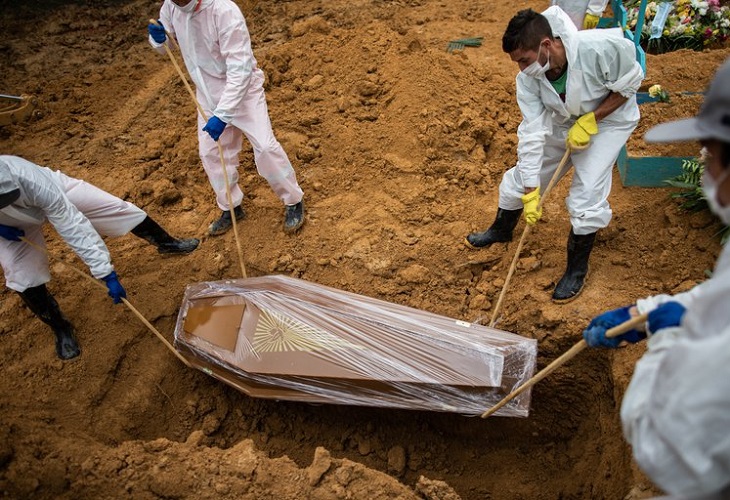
(531, 201)
(590, 21)
(579, 135)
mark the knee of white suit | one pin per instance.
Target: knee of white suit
(25, 274)
(510, 191)
(590, 221)
(273, 164)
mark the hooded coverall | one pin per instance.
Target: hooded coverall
(676, 410)
(577, 9)
(216, 47)
(599, 62)
(77, 210)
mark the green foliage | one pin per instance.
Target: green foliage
(464, 42)
(671, 43)
(691, 195)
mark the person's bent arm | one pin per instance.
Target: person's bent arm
(531, 133)
(69, 222)
(235, 47)
(610, 104)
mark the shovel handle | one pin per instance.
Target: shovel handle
(98, 284)
(578, 347)
(555, 177)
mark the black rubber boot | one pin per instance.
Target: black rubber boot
(151, 231)
(46, 308)
(224, 222)
(579, 250)
(499, 232)
(293, 217)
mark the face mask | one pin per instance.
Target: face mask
(536, 70)
(188, 7)
(710, 187)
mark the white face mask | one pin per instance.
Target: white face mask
(710, 187)
(188, 7)
(536, 70)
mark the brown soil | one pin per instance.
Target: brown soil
(399, 147)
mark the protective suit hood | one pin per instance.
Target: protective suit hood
(9, 188)
(560, 23)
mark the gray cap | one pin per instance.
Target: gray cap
(712, 122)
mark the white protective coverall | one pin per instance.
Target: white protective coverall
(600, 61)
(676, 410)
(216, 47)
(577, 9)
(77, 210)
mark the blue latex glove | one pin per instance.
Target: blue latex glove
(157, 32)
(666, 315)
(11, 233)
(595, 334)
(116, 290)
(214, 127)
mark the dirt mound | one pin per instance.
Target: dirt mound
(166, 469)
(400, 147)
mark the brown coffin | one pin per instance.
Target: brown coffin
(289, 339)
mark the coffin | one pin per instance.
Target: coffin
(288, 339)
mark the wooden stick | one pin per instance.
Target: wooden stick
(510, 272)
(613, 332)
(125, 301)
(220, 148)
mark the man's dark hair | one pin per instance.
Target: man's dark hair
(525, 31)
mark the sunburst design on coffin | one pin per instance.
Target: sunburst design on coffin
(279, 333)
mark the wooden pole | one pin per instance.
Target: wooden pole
(97, 283)
(613, 332)
(220, 148)
(510, 272)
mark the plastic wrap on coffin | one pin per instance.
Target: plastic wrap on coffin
(289, 339)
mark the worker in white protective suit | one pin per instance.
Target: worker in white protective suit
(216, 47)
(577, 90)
(29, 196)
(676, 410)
(584, 13)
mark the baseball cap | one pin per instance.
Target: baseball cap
(712, 122)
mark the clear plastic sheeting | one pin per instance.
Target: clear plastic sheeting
(289, 339)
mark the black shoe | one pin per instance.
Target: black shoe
(179, 247)
(43, 305)
(66, 345)
(571, 284)
(224, 223)
(151, 231)
(499, 232)
(293, 217)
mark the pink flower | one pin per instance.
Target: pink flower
(708, 33)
